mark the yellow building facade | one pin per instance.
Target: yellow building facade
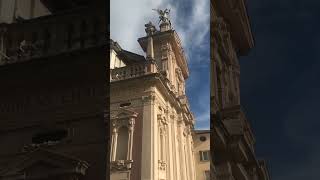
(202, 154)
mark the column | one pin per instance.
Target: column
(130, 143)
(182, 154)
(170, 154)
(190, 155)
(176, 136)
(149, 159)
(150, 53)
(114, 141)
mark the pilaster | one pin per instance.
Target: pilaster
(170, 139)
(149, 161)
(181, 149)
(176, 135)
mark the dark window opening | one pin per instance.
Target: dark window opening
(125, 104)
(202, 138)
(204, 155)
(50, 136)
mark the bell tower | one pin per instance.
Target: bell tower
(164, 47)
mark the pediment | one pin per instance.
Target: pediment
(125, 113)
(42, 162)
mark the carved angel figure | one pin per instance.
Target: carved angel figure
(163, 15)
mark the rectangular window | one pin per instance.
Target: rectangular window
(204, 155)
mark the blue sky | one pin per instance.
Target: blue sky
(190, 18)
(280, 85)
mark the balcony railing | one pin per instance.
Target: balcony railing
(51, 35)
(132, 71)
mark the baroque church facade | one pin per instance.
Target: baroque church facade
(232, 139)
(151, 121)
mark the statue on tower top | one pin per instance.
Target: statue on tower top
(163, 15)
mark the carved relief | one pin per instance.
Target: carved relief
(223, 37)
(162, 120)
(162, 165)
(121, 165)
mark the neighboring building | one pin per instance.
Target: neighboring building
(202, 153)
(232, 140)
(151, 119)
(52, 95)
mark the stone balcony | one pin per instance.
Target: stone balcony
(132, 71)
(50, 35)
(236, 123)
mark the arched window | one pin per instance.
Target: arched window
(122, 144)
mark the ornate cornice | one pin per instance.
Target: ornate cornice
(124, 117)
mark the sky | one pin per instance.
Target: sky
(190, 18)
(280, 86)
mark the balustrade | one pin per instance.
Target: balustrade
(50, 35)
(131, 71)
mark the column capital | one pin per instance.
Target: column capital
(149, 98)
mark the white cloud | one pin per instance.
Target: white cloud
(128, 18)
(127, 25)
